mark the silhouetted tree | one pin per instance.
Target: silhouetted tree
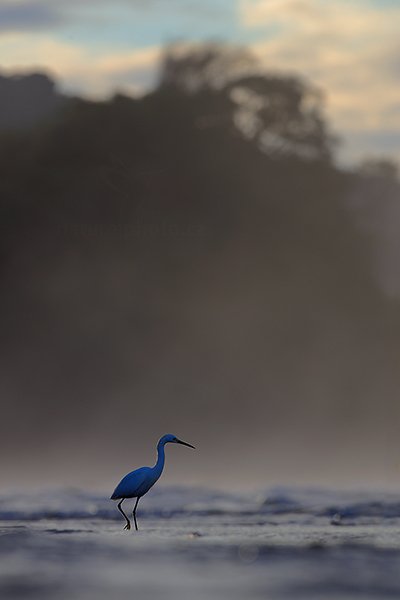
(27, 100)
(283, 114)
(192, 68)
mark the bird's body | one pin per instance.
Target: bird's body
(137, 483)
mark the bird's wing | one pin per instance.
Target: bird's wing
(129, 485)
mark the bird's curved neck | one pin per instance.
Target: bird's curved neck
(158, 467)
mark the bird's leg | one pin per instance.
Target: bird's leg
(134, 513)
(128, 523)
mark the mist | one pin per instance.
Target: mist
(194, 261)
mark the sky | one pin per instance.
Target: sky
(348, 48)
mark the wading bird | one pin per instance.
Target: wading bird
(137, 483)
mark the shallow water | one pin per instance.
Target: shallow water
(195, 544)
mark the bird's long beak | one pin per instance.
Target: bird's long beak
(185, 444)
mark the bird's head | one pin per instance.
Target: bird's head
(170, 438)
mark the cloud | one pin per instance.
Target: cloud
(349, 48)
(21, 16)
(97, 77)
(37, 15)
(130, 72)
(78, 68)
(34, 15)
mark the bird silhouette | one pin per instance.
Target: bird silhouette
(137, 483)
